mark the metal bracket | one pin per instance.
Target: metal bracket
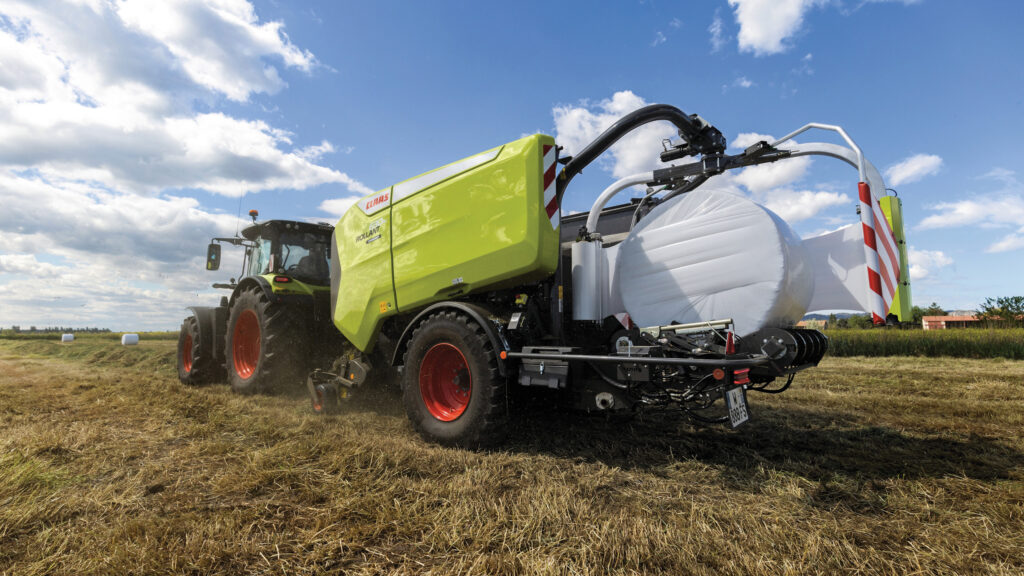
(711, 164)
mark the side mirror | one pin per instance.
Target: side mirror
(213, 257)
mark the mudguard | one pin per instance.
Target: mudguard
(479, 315)
(212, 324)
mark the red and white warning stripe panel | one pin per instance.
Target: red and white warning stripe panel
(419, 183)
(880, 250)
(550, 165)
(888, 252)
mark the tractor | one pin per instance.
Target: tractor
(276, 324)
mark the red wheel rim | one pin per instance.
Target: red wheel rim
(186, 353)
(445, 382)
(245, 343)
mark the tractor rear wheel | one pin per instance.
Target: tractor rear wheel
(266, 346)
(196, 365)
(453, 393)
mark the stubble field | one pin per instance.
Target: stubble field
(891, 465)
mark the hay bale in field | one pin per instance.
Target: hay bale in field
(129, 339)
(67, 337)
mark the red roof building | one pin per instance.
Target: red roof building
(944, 322)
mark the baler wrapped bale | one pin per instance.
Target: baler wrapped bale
(708, 255)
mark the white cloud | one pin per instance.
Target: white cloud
(85, 222)
(659, 38)
(743, 82)
(805, 68)
(1008, 243)
(1003, 208)
(100, 114)
(338, 206)
(924, 262)
(221, 44)
(577, 126)
(27, 264)
(760, 179)
(676, 23)
(80, 255)
(912, 169)
(988, 211)
(1007, 177)
(797, 205)
(140, 144)
(765, 25)
(718, 38)
(745, 139)
(313, 153)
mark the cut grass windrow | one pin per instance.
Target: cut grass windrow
(870, 466)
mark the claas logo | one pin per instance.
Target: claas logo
(377, 201)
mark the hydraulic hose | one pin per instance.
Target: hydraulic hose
(701, 137)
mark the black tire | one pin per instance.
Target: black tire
(266, 348)
(457, 397)
(196, 365)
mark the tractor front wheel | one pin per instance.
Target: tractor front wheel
(266, 346)
(453, 392)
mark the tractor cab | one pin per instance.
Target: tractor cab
(296, 250)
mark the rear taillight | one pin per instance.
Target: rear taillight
(741, 376)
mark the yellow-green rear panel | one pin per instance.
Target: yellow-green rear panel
(364, 294)
(901, 303)
(476, 224)
(292, 287)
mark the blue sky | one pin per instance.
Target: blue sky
(131, 128)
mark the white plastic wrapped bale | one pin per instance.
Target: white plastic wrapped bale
(840, 273)
(67, 337)
(129, 339)
(709, 255)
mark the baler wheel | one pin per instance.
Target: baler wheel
(195, 365)
(267, 345)
(453, 393)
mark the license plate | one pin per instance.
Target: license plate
(736, 400)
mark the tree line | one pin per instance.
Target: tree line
(53, 330)
(1001, 312)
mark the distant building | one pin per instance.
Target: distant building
(944, 322)
(813, 324)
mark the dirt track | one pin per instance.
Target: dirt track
(109, 466)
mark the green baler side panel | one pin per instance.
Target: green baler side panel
(477, 224)
(484, 228)
(901, 303)
(366, 294)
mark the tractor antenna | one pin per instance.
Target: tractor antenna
(238, 218)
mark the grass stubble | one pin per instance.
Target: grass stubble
(894, 465)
